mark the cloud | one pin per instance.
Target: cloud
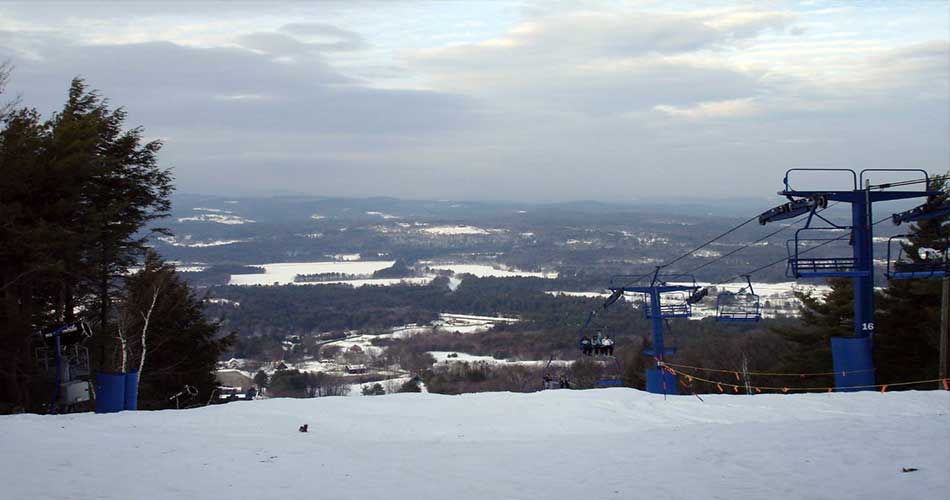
(326, 36)
(732, 108)
(561, 104)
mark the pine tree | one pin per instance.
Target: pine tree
(121, 190)
(168, 336)
(29, 227)
(908, 323)
(831, 315)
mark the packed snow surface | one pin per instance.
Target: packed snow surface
(570, 445)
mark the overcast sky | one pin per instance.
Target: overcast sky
(513, 100)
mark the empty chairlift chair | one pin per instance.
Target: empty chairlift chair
(810, 238)
(924, 262)
(741, 307)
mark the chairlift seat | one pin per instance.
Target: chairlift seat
(828, 267)
(916, 270)
(671, 311)
(900, 268)
(730, 315)
(745, 306)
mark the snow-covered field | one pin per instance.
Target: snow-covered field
(284, 273)
(779, 297)
(597, 444)
(446, 357)
(186, 241)
(216, 215)
(454, 230)
(486, 271)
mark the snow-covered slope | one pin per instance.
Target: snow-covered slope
(577, 445)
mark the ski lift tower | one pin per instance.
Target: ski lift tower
(661, 304)
(853, 363)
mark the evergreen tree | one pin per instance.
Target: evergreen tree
(121, 189)
(165, 324)
(908, 320)
(30, 230)
(261, 379)
(831, 315)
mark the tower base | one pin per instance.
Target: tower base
(853, 363)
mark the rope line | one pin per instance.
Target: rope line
(735, 387)
(776, 374)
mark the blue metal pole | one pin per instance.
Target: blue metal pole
(864, 284)
(852, 356)
(658, 347)
(658, 381)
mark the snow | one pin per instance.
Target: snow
(384, 215)
(486, 271)
(348, 257)
(187, 242)
(454, 230)
(421, 280)
(220, 218)
(283, 273)
(587, 295)
(563, 444)
(225, 302)
(446, 357)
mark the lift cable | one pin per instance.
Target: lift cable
(736, 228)
(717, 238)
(910, 182)
(747, 245)
(636, 279)
(785, 259)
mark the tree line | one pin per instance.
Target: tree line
(80, 194)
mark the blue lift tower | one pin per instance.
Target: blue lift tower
(853, 363)
(667, 296)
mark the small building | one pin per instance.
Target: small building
(355, 369)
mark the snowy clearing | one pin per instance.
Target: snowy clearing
(487, 271)
(219, 218)
(776, 298)
(493, 446)
(347, 257)
(186, 241)
(283, 273)
(454, 230)
(384, 215)
(446, 357)
(421, 280)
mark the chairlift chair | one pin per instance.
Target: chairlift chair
(744, 306)
(819, 267)
(904, 266)
(675, 305)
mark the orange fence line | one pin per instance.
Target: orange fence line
(777, 374)
(758, 388)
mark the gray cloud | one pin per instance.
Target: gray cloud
(563, 105)
(326, 36)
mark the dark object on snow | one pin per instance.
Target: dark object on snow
(303, 428)
(908, 469)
